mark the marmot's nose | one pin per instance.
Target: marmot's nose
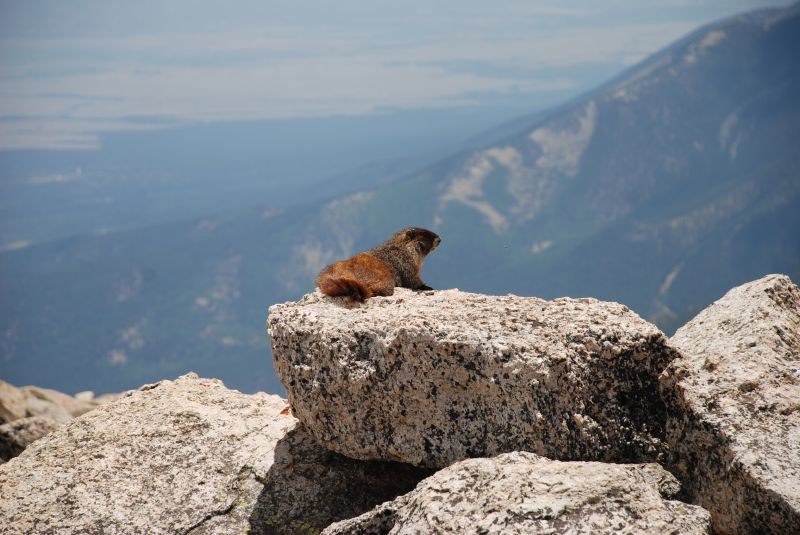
(437, 241)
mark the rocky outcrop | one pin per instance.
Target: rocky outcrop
(521, 493)
(478, 386)
(28, 413)
(734, 408)
(188, 456)
(431, 378)
(17, 435)
(22, 402)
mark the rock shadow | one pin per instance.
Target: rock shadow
(308, 487)
(711, 476)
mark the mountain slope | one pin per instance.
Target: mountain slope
(661, 189)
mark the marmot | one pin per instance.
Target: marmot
(396, 262)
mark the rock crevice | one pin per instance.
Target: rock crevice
(732, 400)
(523, 493)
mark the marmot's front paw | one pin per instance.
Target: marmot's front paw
(424, 288)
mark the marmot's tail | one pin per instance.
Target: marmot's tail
(344, 287)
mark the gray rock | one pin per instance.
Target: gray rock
(21, 402)
(30, 412)
(106, 398)
(665, 483)
(524, 493)
(17, 435)
(86, 395)
(435, 377)
(734, 408)
(188, 456)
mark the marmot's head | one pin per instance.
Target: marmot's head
(421, 241)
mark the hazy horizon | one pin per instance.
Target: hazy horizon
(72, 71)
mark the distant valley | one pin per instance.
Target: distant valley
(144, 177)
(660, 189)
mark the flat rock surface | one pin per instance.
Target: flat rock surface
(434, 377)
(522, 493)
(734, 402)
(188, 456)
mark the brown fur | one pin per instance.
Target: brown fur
(396, 262)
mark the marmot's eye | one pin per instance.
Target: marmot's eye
(411, 234)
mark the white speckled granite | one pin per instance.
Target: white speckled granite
(188, 456)
(734, 408)
(522, 493)
(435, 377)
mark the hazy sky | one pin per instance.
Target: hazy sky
(69, 69)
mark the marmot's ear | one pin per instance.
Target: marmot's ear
(411, 234)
